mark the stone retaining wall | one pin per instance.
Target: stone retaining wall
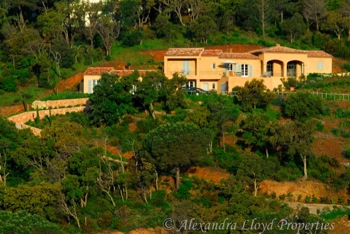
(35, 131)
(59, 103)
(31, 115)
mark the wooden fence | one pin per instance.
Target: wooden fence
(323, 95)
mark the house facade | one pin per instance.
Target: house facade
(221, 71)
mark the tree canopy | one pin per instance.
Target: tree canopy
(176, 146)
(302, 105)
(254, 95)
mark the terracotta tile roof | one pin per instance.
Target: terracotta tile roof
(97, 70)
(128, 72)
(318, 53)
(184, 51)
(278, 49)
(211, 52)
(238, 56)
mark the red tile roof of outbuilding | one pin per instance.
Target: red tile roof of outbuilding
(97, 70)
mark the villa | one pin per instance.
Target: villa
(221, 71)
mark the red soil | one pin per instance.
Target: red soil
(11, 110)
(327, 144)
(209, 173)
(303, 188)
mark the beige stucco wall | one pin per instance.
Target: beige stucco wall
(201, 69)
(86, 79)
(173, 64)
(312, 65)
(205, 68)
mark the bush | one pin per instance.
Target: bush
(320, 126)
(184, 191)
(302, 105)
(307, 199)
(133, 38)
(335, 131)
(341, 113)
(227, 160)
(324, 200)
(347, 67)
(346, 153)
(147, 125)
(290, 82)
(23, 222)
(8, 84)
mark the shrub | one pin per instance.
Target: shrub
(8, 84)
(302, 105)
(184, 191)
(133, 38)
(324, 200)
(282, 197)
(347, 67)
(320, 126)
(307, 199)
(290, 82)
(314, 199)
(346, 153)
(341, 113)
(335, 131)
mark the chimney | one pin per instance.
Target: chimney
(278, 45)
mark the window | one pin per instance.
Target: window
(228, 66)
(320, 65)
(192, 84)
(269, 69)
(244, 70)
(291, 70)
(213, 66)
(186, 67)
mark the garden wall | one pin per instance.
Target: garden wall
(31, 115)
(59, 103)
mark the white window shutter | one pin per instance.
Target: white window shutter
(90, 86)
(238, 67)
(250, 70)
(186, 67)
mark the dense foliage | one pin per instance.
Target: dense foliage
(75, 179)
